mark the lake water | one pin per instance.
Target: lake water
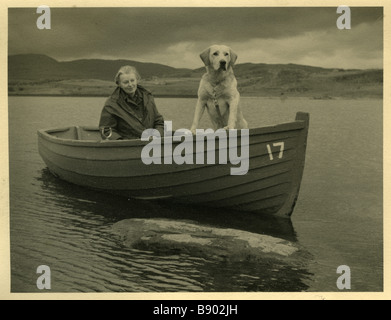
(338, 219)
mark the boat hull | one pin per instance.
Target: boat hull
(271, 184)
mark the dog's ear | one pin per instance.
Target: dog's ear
(234, 56)
(205, 56)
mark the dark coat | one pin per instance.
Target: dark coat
(123, 120)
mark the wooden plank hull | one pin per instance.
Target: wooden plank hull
(271, 184)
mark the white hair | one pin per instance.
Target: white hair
(126, 70)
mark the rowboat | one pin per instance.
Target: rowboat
(268, 185)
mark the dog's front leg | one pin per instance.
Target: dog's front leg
(233, 112)
(199, 110)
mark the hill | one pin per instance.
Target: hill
(41, 67)
(34, 74)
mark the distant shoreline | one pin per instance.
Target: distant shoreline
(184, 96)
(91, 95)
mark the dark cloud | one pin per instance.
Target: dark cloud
(132, 32)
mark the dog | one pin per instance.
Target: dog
(218, 91)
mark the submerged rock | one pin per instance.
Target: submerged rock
(174, 236)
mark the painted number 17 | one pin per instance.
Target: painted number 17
(276, 144)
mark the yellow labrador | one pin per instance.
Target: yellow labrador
(218, 90)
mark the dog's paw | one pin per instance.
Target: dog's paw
(229, 128)
(193, 130)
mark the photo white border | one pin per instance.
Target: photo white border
(5, 269)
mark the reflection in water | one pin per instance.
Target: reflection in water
(195, 272)
(115, 208)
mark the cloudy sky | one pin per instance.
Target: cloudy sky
(175, 36)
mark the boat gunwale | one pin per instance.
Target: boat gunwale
(46, 134)
(163, 156)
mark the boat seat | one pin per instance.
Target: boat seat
(91, 134)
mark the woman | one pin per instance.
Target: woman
(130, 109)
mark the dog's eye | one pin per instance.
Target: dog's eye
(226, 54)
(215, 54)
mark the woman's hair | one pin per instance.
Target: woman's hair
(126, 70)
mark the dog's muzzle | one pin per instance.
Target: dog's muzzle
(223, 65)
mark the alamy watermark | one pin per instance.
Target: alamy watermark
(343, 281)
(344, 20)
(191, 148)
(44, 20)
(44, 280)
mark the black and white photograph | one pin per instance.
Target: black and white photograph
(195, 149)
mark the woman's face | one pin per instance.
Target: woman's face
(128, 82)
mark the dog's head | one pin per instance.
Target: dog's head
(219, 57)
